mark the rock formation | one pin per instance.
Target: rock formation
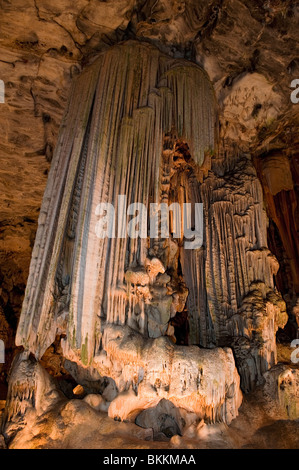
(111, 299)
(160, 106)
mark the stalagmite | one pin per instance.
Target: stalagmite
(110, 145)
(155, 317)
(245, 308)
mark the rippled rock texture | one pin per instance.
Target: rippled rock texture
(86, 301)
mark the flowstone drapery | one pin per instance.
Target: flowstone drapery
(156, 318)
(111, 144)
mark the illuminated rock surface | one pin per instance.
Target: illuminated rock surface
(190, 309)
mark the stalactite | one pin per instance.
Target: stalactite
(140, 124)
(246, 310)
(134, 97)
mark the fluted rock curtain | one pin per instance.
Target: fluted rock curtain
(110, 144)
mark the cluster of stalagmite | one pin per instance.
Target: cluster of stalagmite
(157, 318)
(239, 300)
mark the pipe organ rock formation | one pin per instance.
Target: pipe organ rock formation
(245, 309)
(161, 321)
(110, 145)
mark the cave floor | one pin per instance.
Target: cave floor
(71, 426)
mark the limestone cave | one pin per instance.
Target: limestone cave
(149, 244)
